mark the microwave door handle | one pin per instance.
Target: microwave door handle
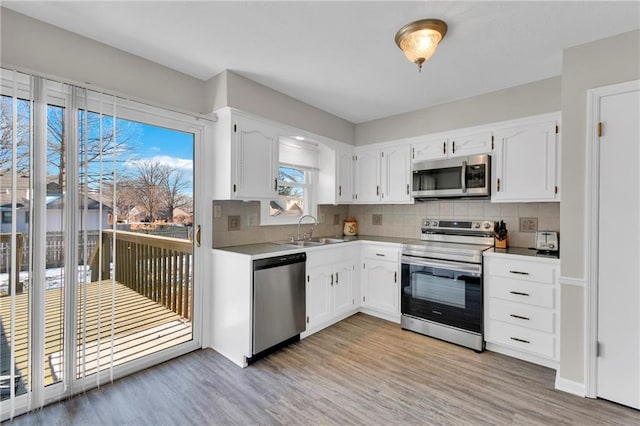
(463, 176)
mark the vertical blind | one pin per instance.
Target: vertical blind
(37, 113)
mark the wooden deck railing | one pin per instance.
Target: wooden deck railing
(159, 268)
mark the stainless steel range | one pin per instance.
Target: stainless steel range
(442, 280)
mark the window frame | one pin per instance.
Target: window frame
(310, 205)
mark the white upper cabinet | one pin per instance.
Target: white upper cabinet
(469, 143)
(256, 159)
(245, 158)
(367, 173)
(345, 192)
(452, 144)
(525, 161)
(432, 148)
(396, 174)
(383, 174)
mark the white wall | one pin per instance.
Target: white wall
(534, 98)
(249, 96)
(42, 48)
(600, 63)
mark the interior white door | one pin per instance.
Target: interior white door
(618, 363)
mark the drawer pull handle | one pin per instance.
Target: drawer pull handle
(519, 293)
(519, 317)
(380, 254)
(437, 312)
(520, 340)
(519, 272)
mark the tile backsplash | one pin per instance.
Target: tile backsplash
(391, 220)
(404, 220)
(249, 232)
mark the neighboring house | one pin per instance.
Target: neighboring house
(22, 202)
(94, 218)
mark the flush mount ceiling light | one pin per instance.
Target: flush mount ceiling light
(419, 40)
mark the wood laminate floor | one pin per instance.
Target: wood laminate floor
(362, 370)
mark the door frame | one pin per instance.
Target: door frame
(592, 202)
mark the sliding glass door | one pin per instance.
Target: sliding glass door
(97, 240)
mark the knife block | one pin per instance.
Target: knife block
(501, 243)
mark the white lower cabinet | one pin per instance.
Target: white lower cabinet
(381, 281)
(521, 305)
(330, 287)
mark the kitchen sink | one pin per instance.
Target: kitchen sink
(313, 242)
(326, 240)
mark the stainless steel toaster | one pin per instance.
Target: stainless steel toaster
(547, 240)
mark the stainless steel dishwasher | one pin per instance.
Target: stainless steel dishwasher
(279, 302)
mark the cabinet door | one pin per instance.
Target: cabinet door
(256, 160)
(525, 163)
(396, 172)
(345, 176)
(319, 293)
(464, 144)
(343, 288)
(430, 149)
(367, 175)
(381, 286)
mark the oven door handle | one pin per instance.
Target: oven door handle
(451, 266)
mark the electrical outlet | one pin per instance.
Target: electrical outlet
(233, 223)
(528, 224)
(217, 211)
(336, 219)
(376, 219)
(321, 218)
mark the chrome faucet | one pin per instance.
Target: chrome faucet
(300, 221)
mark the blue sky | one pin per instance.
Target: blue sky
(165, 146)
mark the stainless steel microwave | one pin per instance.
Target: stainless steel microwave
(460, 177)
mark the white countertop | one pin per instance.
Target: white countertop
(261, 250)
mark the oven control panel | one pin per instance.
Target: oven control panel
(440, 225)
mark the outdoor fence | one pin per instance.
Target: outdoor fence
(157, 267)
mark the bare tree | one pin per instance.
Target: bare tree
(175, 184)
(96, 144)
(149, 184)
(7, 124)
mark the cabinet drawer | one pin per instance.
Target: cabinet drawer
(524, 339)
(522, 315)
(381, 253)
(521, 270)
(522, 292)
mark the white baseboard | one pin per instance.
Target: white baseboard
(569, 386)
(493, 347)
(378, 314)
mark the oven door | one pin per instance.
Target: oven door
(444, 292)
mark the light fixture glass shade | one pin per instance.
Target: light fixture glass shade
(419, 40)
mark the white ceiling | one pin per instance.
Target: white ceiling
(341, 56)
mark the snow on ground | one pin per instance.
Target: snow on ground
(54, 278)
